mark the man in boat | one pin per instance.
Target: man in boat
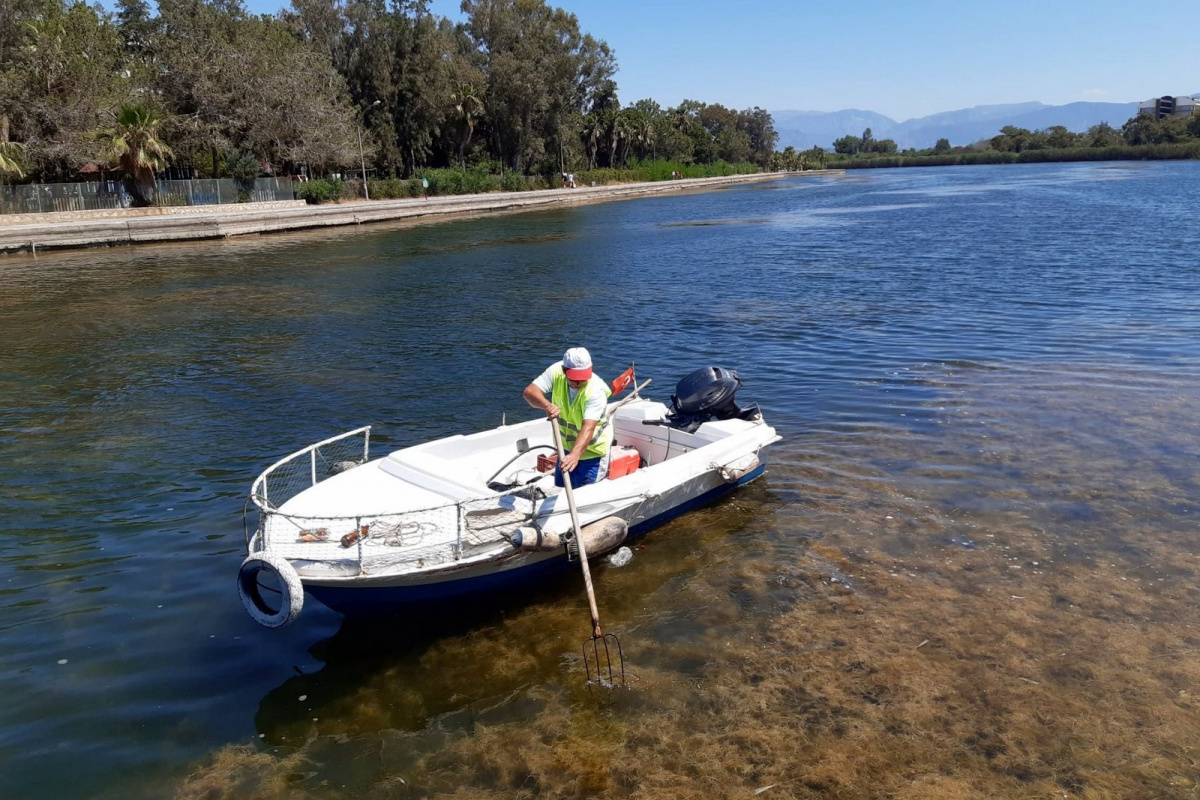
(577, 399)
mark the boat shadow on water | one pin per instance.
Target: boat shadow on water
(392, 656)
(489, 657)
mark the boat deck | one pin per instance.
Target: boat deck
(432, 505)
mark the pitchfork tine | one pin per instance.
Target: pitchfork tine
(604, 663)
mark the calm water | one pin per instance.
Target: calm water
(986, 380)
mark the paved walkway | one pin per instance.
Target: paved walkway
(137, 226)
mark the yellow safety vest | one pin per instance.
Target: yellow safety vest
(570, 416)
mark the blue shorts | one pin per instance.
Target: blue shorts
(585, 472)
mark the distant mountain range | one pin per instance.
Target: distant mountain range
(805, 129)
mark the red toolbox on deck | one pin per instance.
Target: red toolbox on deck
(623, 460)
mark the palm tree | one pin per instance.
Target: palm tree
(468, 106)
(134, 144)
(640, 132)
(818, 154)
(648, 135)
(9, 152)
(790, 158)
(618, 132)
(593, 127)
(631, 130)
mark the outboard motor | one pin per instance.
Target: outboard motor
(707, 394)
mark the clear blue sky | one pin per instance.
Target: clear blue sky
(902, 59)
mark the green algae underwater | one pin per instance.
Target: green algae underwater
(969, 571)
(994, 606)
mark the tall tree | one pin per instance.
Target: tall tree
(1103, 135)
(847, 145)
(243, 84)
(323, 24)
(61, 70)
(137, 28)
(868, 139)
(1058, 136)
(1012, 139)
(686, 119)
(540, 69)
(421, 80)
(760, 127)
(15, 15)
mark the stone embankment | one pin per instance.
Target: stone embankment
(33, 232)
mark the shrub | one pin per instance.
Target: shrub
(444, 181)
(660, 171)
(512, 182)
(476, 181)
(320, 191)
(243, 168)
(387, 188)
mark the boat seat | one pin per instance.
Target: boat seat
(431, 473)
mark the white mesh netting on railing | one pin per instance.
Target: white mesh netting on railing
(412, 540)
(310, 466)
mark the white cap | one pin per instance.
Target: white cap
(578, 364)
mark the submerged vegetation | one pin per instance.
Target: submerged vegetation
(327, 87)
(1025, 633)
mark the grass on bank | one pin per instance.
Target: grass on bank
(1148, 152)
(444, 182)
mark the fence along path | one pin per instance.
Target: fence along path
(42, 198)
(136, 226)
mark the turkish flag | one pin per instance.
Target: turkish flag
(622, 381)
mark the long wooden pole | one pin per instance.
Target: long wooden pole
(583, 562)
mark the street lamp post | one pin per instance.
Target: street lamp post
(361, 159)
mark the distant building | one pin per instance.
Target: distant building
(1160, 107)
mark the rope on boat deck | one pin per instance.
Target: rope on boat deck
(402, 534)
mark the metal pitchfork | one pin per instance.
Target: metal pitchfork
(600, 651)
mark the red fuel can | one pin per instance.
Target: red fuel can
(623, 460)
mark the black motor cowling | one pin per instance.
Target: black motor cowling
(709, 390)
(707, 394)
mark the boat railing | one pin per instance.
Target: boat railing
(413, 539)
(305, 468)
(369, 543)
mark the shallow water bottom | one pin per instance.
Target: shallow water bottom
(995, 596)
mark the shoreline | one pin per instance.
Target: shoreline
(63, 230)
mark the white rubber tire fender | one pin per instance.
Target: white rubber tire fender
(291, 598)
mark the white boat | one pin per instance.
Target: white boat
(470, 514)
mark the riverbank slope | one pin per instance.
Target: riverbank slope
(33, 232)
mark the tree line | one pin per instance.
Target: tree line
(326, 85)
(1143, 136)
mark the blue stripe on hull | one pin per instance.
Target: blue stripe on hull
(349, 600)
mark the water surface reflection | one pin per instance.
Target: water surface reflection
(999, 600)
(969, 572)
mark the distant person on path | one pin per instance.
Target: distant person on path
(577, 400)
